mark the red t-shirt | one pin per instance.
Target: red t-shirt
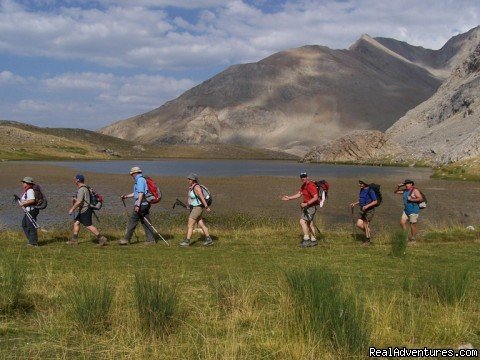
(309, 190)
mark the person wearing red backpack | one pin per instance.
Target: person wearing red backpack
(141, 209)
(81, 201)
(309, 192)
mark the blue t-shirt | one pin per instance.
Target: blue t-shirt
(140, 186)
(366, 196)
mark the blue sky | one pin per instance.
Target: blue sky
(80, 63)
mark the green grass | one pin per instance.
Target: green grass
(157, 304)
(233, 300)
(399, 242)
(324, 309)
(91, 301)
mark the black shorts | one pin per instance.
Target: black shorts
(85, 218)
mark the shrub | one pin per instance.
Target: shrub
(157, 304)
(323, 308)
(91, 305)
(12, 285)
(399, 242)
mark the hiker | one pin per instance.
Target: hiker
(29, 221)
(308, 206)
(141, 208)
(81, 201)
(411, 199)
(197, 203)
(367, 200)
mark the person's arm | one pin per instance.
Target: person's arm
(369, 205)
(30, 200)
(127, 196)
(77, 202)
(399, 190)
(354, 204)
(416, 196)
(291, 197)
(198, 191)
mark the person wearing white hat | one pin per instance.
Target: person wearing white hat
(28, 202)
(141, 208)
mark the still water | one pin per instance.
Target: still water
(239, 168)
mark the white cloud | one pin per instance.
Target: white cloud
(170, 36)
(87, 100)
(140, 33)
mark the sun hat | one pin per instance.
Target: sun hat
(135, 170)
(192, 176)
(28, 180)
(362, 182)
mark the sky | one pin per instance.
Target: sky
(86, 64)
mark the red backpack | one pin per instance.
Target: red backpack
(154, 195)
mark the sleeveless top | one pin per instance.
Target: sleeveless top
(410, 207)
(194, 200)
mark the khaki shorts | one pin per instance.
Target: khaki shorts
(309, 213)
(367, 215)
(412, 218)
(196, 213)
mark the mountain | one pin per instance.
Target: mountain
(292, 100)
(446, 127)
(20, 141)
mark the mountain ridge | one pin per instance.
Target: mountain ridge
(290, 101)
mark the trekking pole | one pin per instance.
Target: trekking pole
(319, 232)
(178, 202)
(96, 216)
(155, 230)
(29, 216)
(354, 226)
(128, 217)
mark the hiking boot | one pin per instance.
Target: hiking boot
(123, 242)
(305, 243)
(313, 243)
(32, 245)
(72, 242)
(185, 243)
(208, 242)
(149, 243)
(366, 243)
(102, 241)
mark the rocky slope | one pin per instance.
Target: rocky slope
(291, 101)
(20, 141)
(441, 130)
(359, 147)
(446, 127)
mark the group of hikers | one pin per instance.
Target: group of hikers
(313, 196)
(145, 193)
(83, 209)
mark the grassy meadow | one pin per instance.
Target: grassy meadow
(254, 295)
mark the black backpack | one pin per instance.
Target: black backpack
(378, 193)
(40, 198)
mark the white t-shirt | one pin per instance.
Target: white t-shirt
(28, 195)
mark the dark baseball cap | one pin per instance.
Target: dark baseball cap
(408, 181)
(303, 174)
(80, 177)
